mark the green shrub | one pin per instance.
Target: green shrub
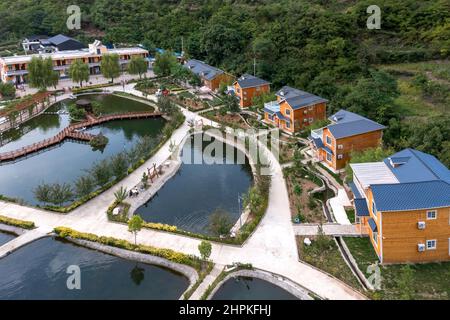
(17, 223)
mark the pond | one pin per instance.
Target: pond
(39, 271)
(68, 161)
(244, 288)
(197, 190)
(5, 237)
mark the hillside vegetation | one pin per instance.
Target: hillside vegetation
(320, 46)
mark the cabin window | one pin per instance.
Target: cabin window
(288, 125)
(329, 157)
(340, 156)
(431, 215)
(288, 112)
(375, 237)
(311, 120)
(329, 142)
(340, 146)
(431, 244)
(374, 208)
(258, 88)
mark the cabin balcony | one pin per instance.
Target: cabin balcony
(317, 134)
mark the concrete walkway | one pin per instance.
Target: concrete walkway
(338, 205)
(24, 239)
(335, 230)
(209, 279)
(271, 247)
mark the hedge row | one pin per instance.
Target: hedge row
(17, 223)
(168, 254)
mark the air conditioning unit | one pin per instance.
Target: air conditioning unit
(421, 225)
(421, 247)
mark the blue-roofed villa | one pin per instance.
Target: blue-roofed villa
(348, 132)
(294, 110)
(404, 203)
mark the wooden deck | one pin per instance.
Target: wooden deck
(72, 132)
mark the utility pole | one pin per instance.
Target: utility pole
(254, 66)
(182, 46)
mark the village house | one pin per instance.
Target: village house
(348, 132)
(15, 68)
(248, 87)
(294, 110)
(404, 202)
(211, 77)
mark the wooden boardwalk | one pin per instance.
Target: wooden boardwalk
(72, 132)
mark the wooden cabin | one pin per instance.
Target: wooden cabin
(248, 87)
(211, 77)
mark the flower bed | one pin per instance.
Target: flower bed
(17, 223)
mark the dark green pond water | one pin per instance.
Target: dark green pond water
(197, 190)
(243, 288)
(39, 271)
(5, 237)
(65, 163)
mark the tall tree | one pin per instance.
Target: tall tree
(137, 65)
(41, 74)
(79, 72)
(165, 64)
(110, 66)
(134, 226)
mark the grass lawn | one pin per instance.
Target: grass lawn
(325, 255)
(439, 69)
(428, 281)
(350, 215)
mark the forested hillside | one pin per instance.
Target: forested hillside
(320, 46)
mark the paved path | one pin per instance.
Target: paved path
(271, 247)
(335, 230)
(24, 239)
(209, 279)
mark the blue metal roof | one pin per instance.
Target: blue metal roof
(288, 92)
(373, 225)
(249, 81)
(411, 196)
(417, 167)
(361, 208)
(353, 128)
(317, 142)
(355, 190)
(270, 111)
(343, 116)
(202, 69)
(304, 101)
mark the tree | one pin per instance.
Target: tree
(135, 225)
(110, 66)
(137, 274)
(41, 74)
(7, 90)
(84, 186)
(205, 248)
(60, 193)
(373, 97)
(231, 104)
(405, 283)
(220, 222)
(137, 65)
(101, 173)
(42, 193)
(79, 72)
(165, 64)
(165, 105)
(119, 165)
(121, 194)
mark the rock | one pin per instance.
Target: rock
(307, 242)
(116, 211)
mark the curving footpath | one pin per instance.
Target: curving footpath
(272, 247)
